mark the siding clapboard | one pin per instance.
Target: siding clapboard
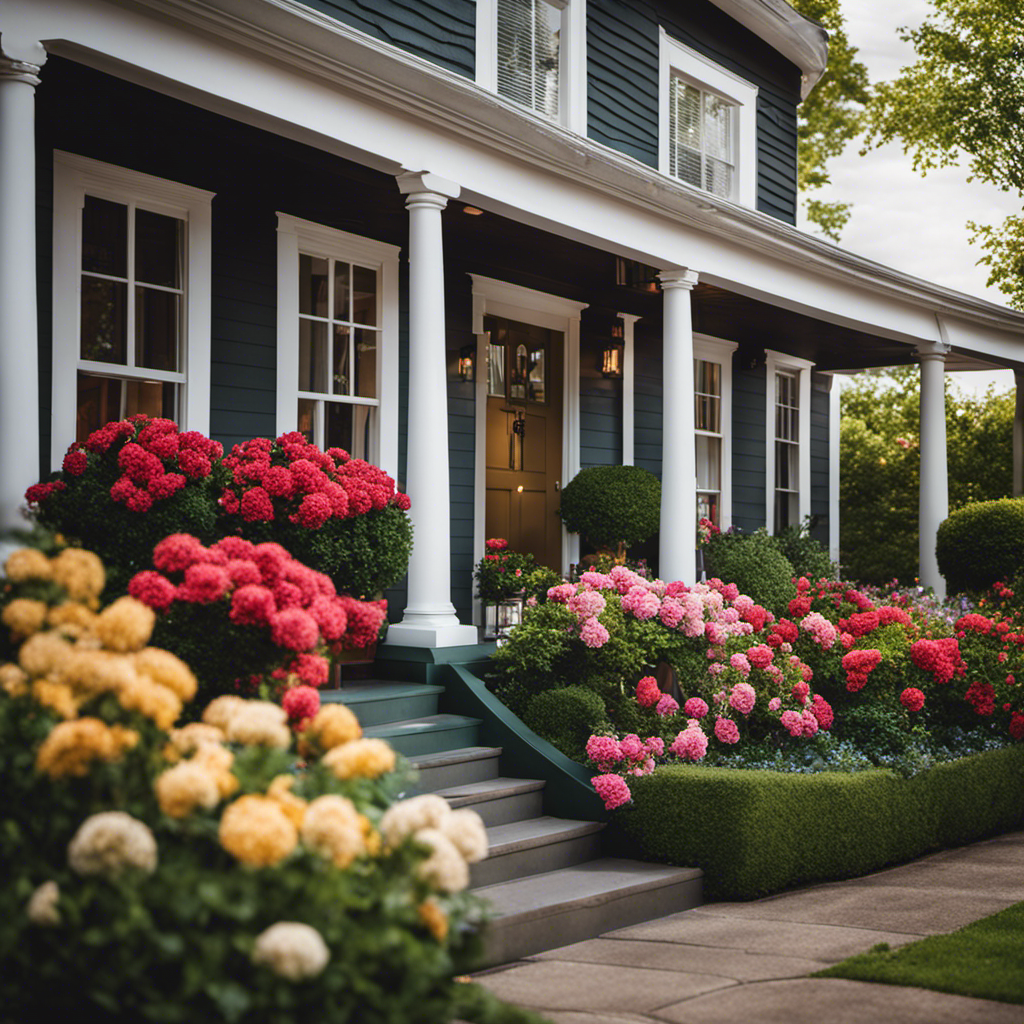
(820, 455)
(748, 448)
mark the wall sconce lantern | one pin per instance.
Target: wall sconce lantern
(467, 362)
(611, 354)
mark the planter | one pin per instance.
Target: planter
(355, 664)
(500, 617)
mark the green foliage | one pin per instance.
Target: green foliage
(539, 581)
(807, 555)
(755, 564)
(962, 97)
(501, 573)
(567, 718)
(772, 830)
(831, 116)
(612, 505)
(981, 543)
(880, 466)
(984, 960)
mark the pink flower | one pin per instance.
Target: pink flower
(647, 692)
(561, 593)
(593, 634)
(667, 705)
(912, 699)
(631, 746)
(204, 584)
(695, 708)
(177, 552)
(640, 602)
(671, 612)
(743, 698)
(597, 580)
(612, 789)
(654, 745)
(760, 656)
(691, 744)
(252, 605)
(775, 703)
(741, 664)
(822, 711)
(726, 730)
(800, 692)
(301, 703)
(603, 751)
(792, 722)
(329, 616)
(586, 604)
(294, 628)
(312, 669)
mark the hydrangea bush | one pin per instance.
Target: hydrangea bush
(209, 872)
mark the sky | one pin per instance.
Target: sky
(912, 223)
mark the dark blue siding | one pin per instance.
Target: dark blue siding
(648, 400)
(819, 454)
(442, 31)
(748, 448)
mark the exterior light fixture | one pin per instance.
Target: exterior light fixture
(611, 354)
(467, 362)
(473, 211)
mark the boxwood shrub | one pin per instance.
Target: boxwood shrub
(612, 505)
(754, 562)
(981, 543)
(754, 832)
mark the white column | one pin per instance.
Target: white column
(934, 495)
(429, 619)
(628, 384)
(677, 553)
(19, 339)
(1018, 435)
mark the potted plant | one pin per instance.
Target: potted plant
(501, 576)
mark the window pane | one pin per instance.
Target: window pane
(787, 512)
(529, 40)
(709, 463)
(350, 427)
(341, 362)
(104, 320)
(717, 128)
(364, 296)
(718, 177)
(684, 132)
(102, 399)
(158, 249)
(519, 371)
(366, 364)
(342, 274)
(105, 237)
(787, 474)
(312, 285)
(313, 362)
(538, 376)
(157, 329)
(306, 424)
(707, 507)
(496, 370)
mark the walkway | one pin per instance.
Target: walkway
(747, 963)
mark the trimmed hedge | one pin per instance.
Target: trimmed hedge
(754, 833)
(756, 564)
(611, 505)
(981, 543)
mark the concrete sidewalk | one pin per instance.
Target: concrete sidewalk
(748, 963)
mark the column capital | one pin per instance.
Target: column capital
(678, 277)
(416, 182)
(19, 71)
(933, 350)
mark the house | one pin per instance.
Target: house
(483, 243)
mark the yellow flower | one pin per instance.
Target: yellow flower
(333, 725)
(189, 738)
(257, 832)
(168, 670)
(55, 696)
(13, 680)
(154, 701)
(280, 792)
(80, 573)
(185, 787)
(27, 564)
(217, 760)
(125, 625)
(434, 919)
(221, 710)
(93, 672)
(43, 653)
(72, 747)
(24, 616)
(71, 613)
(332, 828)
(366, 758)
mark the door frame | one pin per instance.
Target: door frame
(514, 302)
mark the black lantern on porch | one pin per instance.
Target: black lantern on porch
(611, 353)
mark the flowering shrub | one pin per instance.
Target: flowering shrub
(502, 573)
(248, 616)
(200, 873)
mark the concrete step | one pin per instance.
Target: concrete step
(499, 801)
(378, 702)
(429, 734)
(456, 767)
(536, 845)
(560, 907)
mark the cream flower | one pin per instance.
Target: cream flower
(465, 828)
(27, 564)
(93, 672)
(156, 702)
(112, 842)
(43, 653)
(24, 616)
(257, 832)
(365, 758)
(184, 788)
(217, 760)
(259, 723)
(333, 828)
(71, 613)
(189, 738)
(407, 816)
(55, 696)
(42, 906)
(222, 709)
(125, 625)
(80, 573)
(168, 670)
(445, 867)
(292, 950)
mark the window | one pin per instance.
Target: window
(708, 124)
(788, 498)
(131, 299)
(712, 413)
(337, 340)
(532, 53)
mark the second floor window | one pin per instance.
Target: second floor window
(701, 132)
(529, 53)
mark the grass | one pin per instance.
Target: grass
(984, 959)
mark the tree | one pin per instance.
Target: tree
(879, 475)
(831, 116)
(964, 96)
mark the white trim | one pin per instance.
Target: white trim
(628, 389)
(676, 57)
(776, 361)
(73, 177)
(295, 234)
(499, 298)
(717, 350)
(834, 404)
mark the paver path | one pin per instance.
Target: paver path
(748, 963)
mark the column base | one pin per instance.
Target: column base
(411, 634)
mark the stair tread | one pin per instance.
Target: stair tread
(372, 690)
(456, 756)
(589, 884)
(540, 831)
(489, 789)
(414, 726)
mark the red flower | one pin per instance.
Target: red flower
(800, 692)
(496, 544)
(194, 464)
(402, 501)
(982, 696)
(330, 617)
(75, 463)
(940, 657)
(252, 605)
(256, 506)
(800, 607)
(301, 703)
(822, 711)
(861, 623)
(912, 698)
(647, 692)
(312, 669)
(40, 492)
(152, 589)
(974, 623)
(857, 665)
(760, 656)
(177, 552)
(204, 584)
(164, 486)
(1017, 726)
(294, 628)
(313, 512)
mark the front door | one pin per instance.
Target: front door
(524, 437)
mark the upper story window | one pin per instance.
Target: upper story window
(337, 340)
(131, 299)
(787, 437)
(708, 124)
(532, 53)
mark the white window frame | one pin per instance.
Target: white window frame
(717, 350)
(572, 82)
(74, 177)
(774, 363)
(675, 58)
(295, 235)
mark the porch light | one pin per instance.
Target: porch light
(473, 211)
(611, 354)
(467, 361)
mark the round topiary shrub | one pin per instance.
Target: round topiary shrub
(566, 718)
(981, 543)
(612, 506)
(755, 564)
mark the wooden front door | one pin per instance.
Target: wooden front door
(524, 438)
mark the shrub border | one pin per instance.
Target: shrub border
(757, 832)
